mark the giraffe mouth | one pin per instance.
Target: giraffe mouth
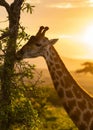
(19, 56)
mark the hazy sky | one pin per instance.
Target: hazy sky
(69, 20)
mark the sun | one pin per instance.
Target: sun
(87, 40)
(91, 1)
(87, 36)
(81, 43)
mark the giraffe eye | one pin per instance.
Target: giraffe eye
(38, 44)
(44, 40)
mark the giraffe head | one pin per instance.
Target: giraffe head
(36, 45)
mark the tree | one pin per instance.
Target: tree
(8, 45)
(88, 68)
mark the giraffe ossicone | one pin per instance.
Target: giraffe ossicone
(42, 31)
(77, 103)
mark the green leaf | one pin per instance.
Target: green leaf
(27, 7)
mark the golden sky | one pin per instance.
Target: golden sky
(69, 20)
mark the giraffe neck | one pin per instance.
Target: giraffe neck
(77, 103)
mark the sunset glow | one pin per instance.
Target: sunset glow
(70, 20)
(91, 1)
(88, 36)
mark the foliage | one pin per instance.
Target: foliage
(27, 7)
(24, 116)
(15, 108)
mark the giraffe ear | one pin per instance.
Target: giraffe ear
(53, 41)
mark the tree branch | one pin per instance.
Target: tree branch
(7, 33)
(5, 4)
(4, 35)
(17, 3)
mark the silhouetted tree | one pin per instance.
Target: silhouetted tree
(88, 68)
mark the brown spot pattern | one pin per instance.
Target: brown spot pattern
(76, 115)
(53, 68)
(69, 94)
(51, 57)
(91, 126)
(71, 104)
(66, 107)
(56, 84)
(55, 59)
(82, 104)
(57, 66)
(87, 116)
(77, 93)
(53, 75)
(51, 63)
(59, 73)
(69, 107)
(62, 82)
(90, 105)
(60, 92)
(82, 126)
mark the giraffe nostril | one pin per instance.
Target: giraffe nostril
(37, 44)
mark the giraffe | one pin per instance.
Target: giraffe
(75, 100)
